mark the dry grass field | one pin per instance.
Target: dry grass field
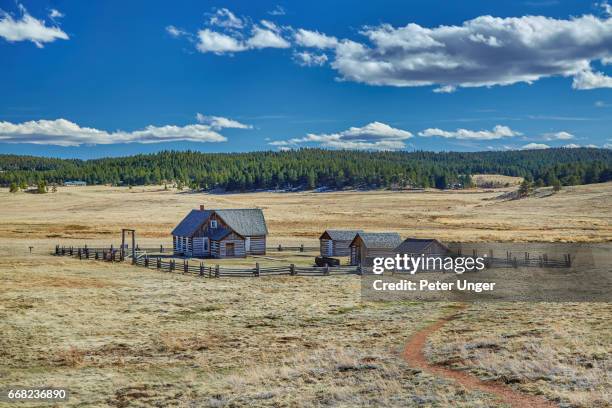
(116, 335)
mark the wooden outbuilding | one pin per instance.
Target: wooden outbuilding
(417, 247)
(337, 242)
(367, 245)
(233, 233)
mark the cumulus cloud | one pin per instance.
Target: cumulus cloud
(588, 79)
(535, 146)
(28, 28)
(314, 39)
(268, 37)
(62, 132)
(481, 52)
(219, 122)
(485, 51)
(558, 136)
(233, 39)
(498, 132)
(373, 136)
(309, 59)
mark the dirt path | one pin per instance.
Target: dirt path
(414, 354)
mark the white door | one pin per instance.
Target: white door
(247, 244)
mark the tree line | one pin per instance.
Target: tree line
(314, 168)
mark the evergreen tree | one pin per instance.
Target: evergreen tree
(525, 188)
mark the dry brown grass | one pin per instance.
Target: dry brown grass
(123, 336)
(558, 350)
(579, 214)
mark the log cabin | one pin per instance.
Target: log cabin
(233, 233)
(337, 242)
(367, 245)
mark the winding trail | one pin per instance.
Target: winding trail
(414, 354)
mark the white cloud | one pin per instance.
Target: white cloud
(592, 146)
(309, 59)
(558, 136)
(28, 28)
(602, 104)
(572, 146)
(445, 89)
(62, 132)
(219, 122)
(267, 38)
(498, 132)
(53, 13)
(277, 11)
(607, 146)
(535, 146)
(226, 19)
(314, 39)
(484, 51)
(588, 79)
(234, 38)
(373, 136)
(175, 32)
(212, 41)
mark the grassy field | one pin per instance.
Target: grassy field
(123, 336)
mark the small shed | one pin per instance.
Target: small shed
(367, 245)
(337, 242)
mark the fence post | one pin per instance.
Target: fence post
(280, 248)
(568, 262)
(57, 250)
(96, 255)
(540, 261)
(161, 249)
(545, 257)
(80, 253)
(515, 263)
(326, 270)
(185, 266)
(257, 269)
(201, 269)
(87, 253)
(292, 269)
(210, 274)
(302, 248)
(216, 271)
(359, 270)
(158, 263)
(63, 250)
(71, 251)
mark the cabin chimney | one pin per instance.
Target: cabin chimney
(201, 207)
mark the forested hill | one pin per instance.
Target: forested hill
(310, 168)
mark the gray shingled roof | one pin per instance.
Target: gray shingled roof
(219, 233)
(341, 235)
(380, 239)
(245, 222)
(191, 223)
(416, 245)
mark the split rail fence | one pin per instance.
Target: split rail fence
(149, 258)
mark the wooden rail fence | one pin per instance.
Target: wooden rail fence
(199, 268)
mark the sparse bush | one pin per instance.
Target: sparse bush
(13, 188)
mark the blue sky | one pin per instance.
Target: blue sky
(91, 79)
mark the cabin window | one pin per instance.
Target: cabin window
(213, 223)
